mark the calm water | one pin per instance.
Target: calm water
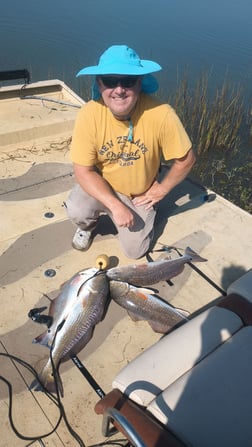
(54, 39)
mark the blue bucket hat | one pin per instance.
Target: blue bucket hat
(121, 60)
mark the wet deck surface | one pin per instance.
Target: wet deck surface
(36, 176)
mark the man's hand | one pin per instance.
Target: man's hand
(122, 216)
(178, 172)
(154, 194)
(95, 185)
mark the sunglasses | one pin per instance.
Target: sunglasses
(124, 82)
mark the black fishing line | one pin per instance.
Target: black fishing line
(55, 375)
(55, 399)
(48, 394)
(98, 272)
(117, 442)
(37, 440)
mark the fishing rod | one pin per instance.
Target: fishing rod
(111, 414)
(96, 387)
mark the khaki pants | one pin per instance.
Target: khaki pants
(84, 211)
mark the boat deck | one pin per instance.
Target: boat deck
(37, 258)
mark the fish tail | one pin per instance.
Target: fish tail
(49, 381)
(193, 255)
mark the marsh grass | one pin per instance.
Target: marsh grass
(212, 119)
(219, 125)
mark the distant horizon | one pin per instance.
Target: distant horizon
(56, 40)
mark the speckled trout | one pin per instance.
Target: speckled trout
(153, 272)
(81, 304)
(142, 304)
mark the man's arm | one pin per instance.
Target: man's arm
(95, 185)
(178, 172)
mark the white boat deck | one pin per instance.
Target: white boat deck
(35, 177)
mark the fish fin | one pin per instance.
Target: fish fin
(134, 317)
(62, 285)
(143, 290)
(162, 328)
(42, 339)
(156, 326)
(147, 291)
(159, 327)
(183, 312)
(193, 255)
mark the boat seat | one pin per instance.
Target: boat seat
(194, 386)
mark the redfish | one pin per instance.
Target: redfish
(142, 304)
(152, 272)
(81, 304)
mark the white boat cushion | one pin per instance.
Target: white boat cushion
(242, 286)
(164, 362)
(211, 405)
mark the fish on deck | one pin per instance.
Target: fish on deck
(84, 300)
(142, 304)
(152, 272)
(81, 304)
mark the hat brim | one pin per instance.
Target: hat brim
(116, 68)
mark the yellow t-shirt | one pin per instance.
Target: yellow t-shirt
(130, 167)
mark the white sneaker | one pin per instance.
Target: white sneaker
(82, 239)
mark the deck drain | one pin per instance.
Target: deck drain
(209, 197)
(49, 215)
(50, 273)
